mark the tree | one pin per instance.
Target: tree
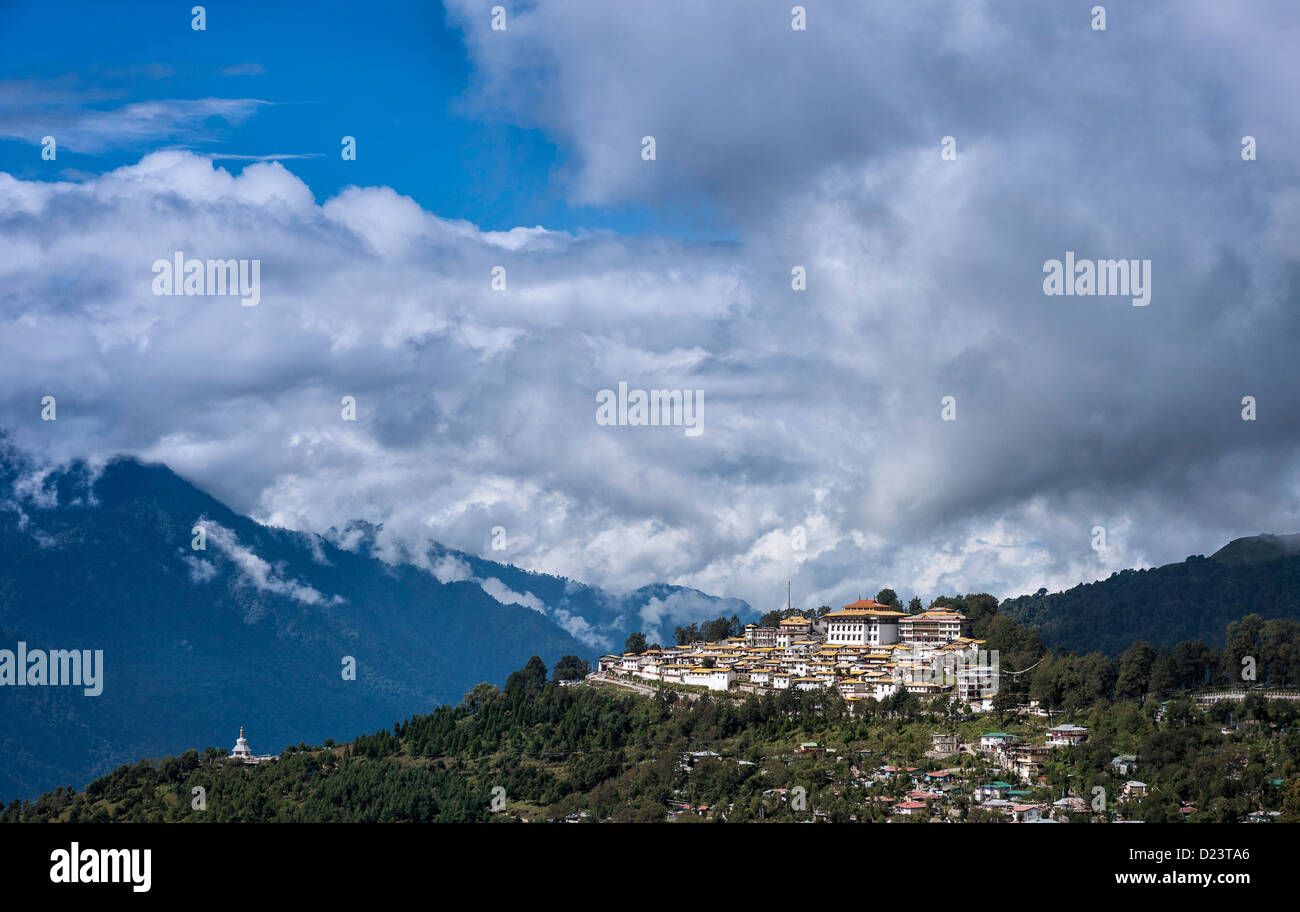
(1194, 663)
(1054, 683)
(1004, 703)
(720, 628)
(914, 606)
(1291, 801)
(1243, 639)
(476, 698)
(635, 643)
(888, 597)
(684, 636)
(570, 668)
(1164, 673)
(1134, 678)
(531, 677)
(1096, 677)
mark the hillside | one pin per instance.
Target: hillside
(253, 630)
(539, 752)
(1193, 599)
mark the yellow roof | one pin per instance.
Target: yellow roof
(866, 613)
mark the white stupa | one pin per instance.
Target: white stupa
(241, 752)
(241, 748)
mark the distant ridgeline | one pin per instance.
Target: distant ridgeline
(157, 645)
(1191, 600)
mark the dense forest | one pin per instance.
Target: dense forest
(1191, 600)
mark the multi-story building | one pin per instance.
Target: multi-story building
(944, 742)
(975, 683)
(995, 741)
(756, 636)
(796, 626)
(864, 623)
(1026, 761)
(1066, 735)
(932, 628)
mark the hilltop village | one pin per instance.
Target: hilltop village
(866, 650)
(871, 654)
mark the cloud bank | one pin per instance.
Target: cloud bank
(825, 457)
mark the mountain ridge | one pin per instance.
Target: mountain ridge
(254, 629)
(1186, 600)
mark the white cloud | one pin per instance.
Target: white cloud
(507, 596)
(450, 569)
(476, 407)
(55, 108)
(580, 630)
(201, 571)
(254, 571)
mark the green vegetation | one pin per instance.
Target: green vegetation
(721, 628)
(1192, 600)
(598, 753)
(569, 668)
(534, 750)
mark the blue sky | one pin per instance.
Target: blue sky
(393, 76)
(776, 148)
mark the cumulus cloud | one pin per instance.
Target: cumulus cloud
(253, 570)
(507, 596)
(450, 569)
(579, 628)
(475, 407)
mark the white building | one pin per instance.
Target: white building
(935, 627)
(993, 741)
(976, 683)
(712, 678)
(864, 623)
(652, 670)
(241, 752)
(1066, 735)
